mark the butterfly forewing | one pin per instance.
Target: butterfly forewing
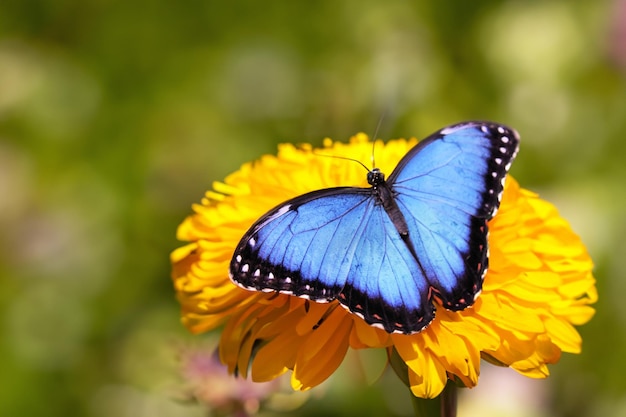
(304, 246)
(448, 186)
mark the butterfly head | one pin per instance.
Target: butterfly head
(375, 177)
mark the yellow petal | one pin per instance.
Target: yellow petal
(322, 352)
(431, 378)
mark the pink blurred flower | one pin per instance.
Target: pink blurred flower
(207, 381)
(617, 34)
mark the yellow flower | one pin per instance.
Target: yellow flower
(538, 286)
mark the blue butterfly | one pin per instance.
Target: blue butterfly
(389, 252)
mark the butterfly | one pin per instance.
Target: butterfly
(391, 252)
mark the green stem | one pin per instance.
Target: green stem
(425, 408)
(449, 400)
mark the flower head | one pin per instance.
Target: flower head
(538, 286)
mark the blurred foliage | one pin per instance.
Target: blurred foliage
(116, 116)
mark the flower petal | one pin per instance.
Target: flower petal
(322, 352)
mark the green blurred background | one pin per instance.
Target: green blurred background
(116, 116)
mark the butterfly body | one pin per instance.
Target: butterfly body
(388, 251)
(384, 195)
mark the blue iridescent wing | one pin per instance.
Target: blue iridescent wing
(337, 243)
(448, 187)
(342, 243)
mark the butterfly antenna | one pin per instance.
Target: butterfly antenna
(342, 157)
(380, 122)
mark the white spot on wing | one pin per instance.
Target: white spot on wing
(284, 209)
(377, 325)
(321, 300)
(451, 129)
(281, 211)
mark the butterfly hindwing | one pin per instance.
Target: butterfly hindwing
(385, 285)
